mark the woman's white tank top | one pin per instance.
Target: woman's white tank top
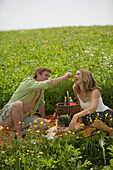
(100, 108)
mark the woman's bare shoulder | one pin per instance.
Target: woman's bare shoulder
(95, 93)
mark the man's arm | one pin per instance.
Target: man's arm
(42, 111)
(57, 80)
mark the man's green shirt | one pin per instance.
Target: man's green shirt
(28, 89)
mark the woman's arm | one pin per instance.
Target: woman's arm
(95, 95)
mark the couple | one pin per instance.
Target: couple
(29, 97)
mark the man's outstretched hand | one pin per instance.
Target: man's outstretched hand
(68, 75)
(57, 80)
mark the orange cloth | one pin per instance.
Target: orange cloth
(5, 133)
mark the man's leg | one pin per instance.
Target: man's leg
(35, 123)
(17, 117)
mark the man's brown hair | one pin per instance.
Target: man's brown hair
(40, 70)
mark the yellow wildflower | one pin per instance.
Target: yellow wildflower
(41, 123)
(37, 131)
(97, 114)
(19, 122)
(35, 121)
(65, 133)
(40, 153)
(7, 127)
(82, 124)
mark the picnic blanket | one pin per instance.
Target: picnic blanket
(53, 117)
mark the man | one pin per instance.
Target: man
(29, 97)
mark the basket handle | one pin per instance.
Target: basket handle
(68, 98)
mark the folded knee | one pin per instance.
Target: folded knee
(18, 105)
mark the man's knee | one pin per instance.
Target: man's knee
(17, 105)
(17, 112)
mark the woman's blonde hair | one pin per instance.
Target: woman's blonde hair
(89, 82)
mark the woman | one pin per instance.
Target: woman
(94, 113)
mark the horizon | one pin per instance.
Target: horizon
(27, 29)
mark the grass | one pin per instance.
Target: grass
(63, 50)
(60, 49)
(65, 152)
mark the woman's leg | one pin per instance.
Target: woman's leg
(102, 126)
(79, 128)
(100, 120)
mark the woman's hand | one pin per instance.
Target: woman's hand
(73, 122)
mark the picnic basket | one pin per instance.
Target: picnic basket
(69, 109)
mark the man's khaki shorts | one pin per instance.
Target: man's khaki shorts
(6, 119)
(6, 116)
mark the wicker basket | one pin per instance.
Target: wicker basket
(68, 109)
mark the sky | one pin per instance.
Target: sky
(34, 14)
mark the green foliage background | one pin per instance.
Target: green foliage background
(63, 50)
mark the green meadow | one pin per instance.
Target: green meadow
(64, 49)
